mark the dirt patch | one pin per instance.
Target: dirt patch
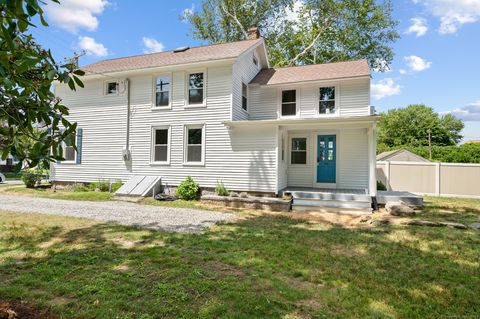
(22, 310)
(50, 243)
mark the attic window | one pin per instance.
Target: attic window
(181, 49)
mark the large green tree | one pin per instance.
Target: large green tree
(28, 107)
(412, 126)
(313, 31)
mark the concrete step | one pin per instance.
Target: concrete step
(323, 209)
(332, 203)
(330, 196)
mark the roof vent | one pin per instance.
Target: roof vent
(181, 49)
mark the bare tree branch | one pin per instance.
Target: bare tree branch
(234, 17)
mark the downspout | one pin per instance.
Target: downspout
(126, 152)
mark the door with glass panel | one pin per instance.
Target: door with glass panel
(326, 158)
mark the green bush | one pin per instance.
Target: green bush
(30, 179)
(188, 189)
(116, 186)
(221, 190)
(79, 187)
(381, 186)
(101, 185)
(465, 153)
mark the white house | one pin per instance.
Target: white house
(219, 112)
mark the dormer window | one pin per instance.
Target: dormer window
(327, 100)
(111, 88)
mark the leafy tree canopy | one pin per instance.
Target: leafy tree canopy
(323, 31)
(410, 126)
(27, 103)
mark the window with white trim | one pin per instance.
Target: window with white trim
(111, 88)
(162, 91)
(196, 87)
(161, 145)
(194, 144)
(244, 96)
(327, 100)
(299, 151)
(289, 103)
(69, 152)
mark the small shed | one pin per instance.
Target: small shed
(401, 155)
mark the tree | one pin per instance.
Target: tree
(27, 103)
(323, 31)
(410, 126)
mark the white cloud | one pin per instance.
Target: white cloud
(75, 15)
(293, 14)
(402, 71)
(453, 13)
(470, 112)
(151, 45)
(187, 12)
(419, 27)
(384, 88)
(92, 47)
(416, 63)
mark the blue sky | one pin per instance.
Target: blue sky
(436, 60)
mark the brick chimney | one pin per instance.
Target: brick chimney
(253, 33)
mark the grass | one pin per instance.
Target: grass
(265, 266)
(45, 191)
(462, 210)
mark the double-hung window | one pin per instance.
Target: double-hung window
(299, 151)
(69, 152)
(327, 100)
(162, 91)
(289, 103)
(244, 96)
(161, 145)
(194, 148)
(196, 88)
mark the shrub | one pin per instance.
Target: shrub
(101, 185)
(221, 190)
(381, 186)
(30, 179)
(79, 187)
(116, 186)
(188, 189)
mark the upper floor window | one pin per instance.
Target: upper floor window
(289, 103)
(160, 145)
(255, 60)
(111, 88)
(327, 100)
(162, 91)
(244, 96)
(299, 151)
(194, 144)
(195, 88)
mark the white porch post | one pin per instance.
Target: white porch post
(372, 159)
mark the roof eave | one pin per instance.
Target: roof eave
(314, 81)
(317, 120)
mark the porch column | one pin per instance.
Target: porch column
(372, 159)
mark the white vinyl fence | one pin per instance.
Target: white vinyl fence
(436, 179)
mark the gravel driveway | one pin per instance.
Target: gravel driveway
(124, 213)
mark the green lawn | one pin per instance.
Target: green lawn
(47, 192)
(265, 266)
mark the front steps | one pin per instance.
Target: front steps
(338, 202)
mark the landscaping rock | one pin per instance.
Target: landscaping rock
(453, 225)
(423, 223)
(233, 194)
(474, 226)
(243, 195)
(399, 209)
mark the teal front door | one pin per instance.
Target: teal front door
(326, 158)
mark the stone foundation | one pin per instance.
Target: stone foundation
(260, 203)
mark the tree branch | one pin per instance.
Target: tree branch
(234, 17)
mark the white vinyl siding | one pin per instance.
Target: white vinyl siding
(243, 158)
(351, 99)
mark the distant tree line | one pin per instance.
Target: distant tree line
(419, 129)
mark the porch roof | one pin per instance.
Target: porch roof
(308, 121)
